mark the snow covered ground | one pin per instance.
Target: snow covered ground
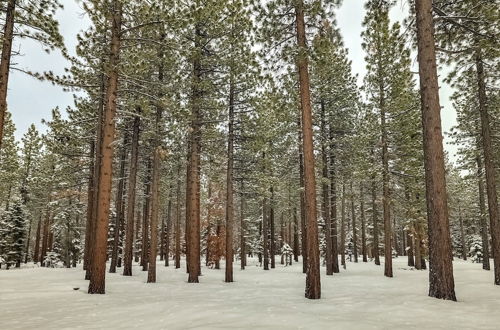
(358, 298)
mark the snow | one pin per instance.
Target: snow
(358, 298)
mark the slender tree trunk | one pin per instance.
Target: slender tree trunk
(376, 253)
(462, 234)
(137, 233)
(229, 187)
(272, 244)
(166, 236)
(354, 230)
(98, 264)
(411, 260)
(385, 189)
(441, 282)
(119, 218)
(418, 249)
(132, 185)
(8, 35)
(363, 222)
(333, 203)
(243, 255)
(342, 229)
(90, 205)
(303, 221)
(489, 166)
(178, 220)
(313, 283)
(326, 197)
(265, 221)
(36, 255)
(146, 207)
(482, 209)
(296, 249)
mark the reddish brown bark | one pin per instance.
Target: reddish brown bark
(98, 263)
(441, 282)
(313, 283)
(8, 35)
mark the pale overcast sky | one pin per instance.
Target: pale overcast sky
(31, 100)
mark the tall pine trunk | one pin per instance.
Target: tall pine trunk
(363, 222)
(482, 209)
(354, 231)
(326, 193)
(146, 207)
(132, 185)
(8, 35)
(313, 283)
(229, 187)
(441, 281)
(303, 221)
(98, 262)
(489, 167)
(119, 218)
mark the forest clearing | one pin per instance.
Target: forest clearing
(250, 164)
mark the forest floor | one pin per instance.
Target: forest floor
(357, 298)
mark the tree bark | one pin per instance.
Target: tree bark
(146, 207)
(272, 243)
(98, 263)
(482, 209)
(313, 282)
(363, 222)
(243, 255)
(303, 221)
(36, 254)
(333, 203)
(119, 218)
(354, 231)
(325, 190)
(8, 35)
(441, 281)
(342, 229)
(178, 220)
(132, 185)
(193, 182)
(376, 252)
(229, 187)
(489, 166)
(265, 233)
(462, 234)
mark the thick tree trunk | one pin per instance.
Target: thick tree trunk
(489, 167)
(98, 263)
(482, 209)
(325, 191)
(132, 185)
(441, 282)
(193, 180)
(363, 222)
(119, 218)
(313, 283)
(8, 35)
(229, 187)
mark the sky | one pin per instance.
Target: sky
(31, 100)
